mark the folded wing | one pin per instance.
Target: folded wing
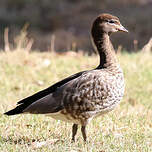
(43, 101)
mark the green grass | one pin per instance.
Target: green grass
(128, 128)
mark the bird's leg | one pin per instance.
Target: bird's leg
(74, 131)
(83, 130)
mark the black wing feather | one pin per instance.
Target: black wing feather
(24, 103)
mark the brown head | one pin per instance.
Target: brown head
(106, 23)
(103, 26)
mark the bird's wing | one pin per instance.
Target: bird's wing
(42, 97)
(65, 96)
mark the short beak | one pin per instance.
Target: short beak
(121, 28)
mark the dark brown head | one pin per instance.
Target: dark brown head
(106, 23)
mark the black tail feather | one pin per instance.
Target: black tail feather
(18, 110)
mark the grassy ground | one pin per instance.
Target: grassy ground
(128, 128)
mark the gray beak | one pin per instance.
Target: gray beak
(121, 28)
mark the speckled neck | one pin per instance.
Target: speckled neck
(105, 49)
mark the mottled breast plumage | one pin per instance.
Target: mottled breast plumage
(96, 91)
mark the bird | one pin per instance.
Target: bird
(85, 95)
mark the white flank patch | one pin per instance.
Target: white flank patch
(60, 116)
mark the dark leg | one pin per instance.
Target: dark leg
(74, 131)
(83, 130)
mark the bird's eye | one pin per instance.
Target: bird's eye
(111, 21)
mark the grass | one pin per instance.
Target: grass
(128, 128)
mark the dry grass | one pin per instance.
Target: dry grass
(127, 128)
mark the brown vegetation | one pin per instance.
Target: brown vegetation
(70, 21)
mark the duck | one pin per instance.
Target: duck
(88, 94)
